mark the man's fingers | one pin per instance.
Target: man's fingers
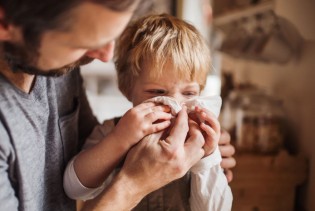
(194, 146)
(227, 150)
(196, 133)
(229, 174)
(193, 153)
(225, 138)
(228, 163)
(179, 131)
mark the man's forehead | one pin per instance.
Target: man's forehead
(93, 23)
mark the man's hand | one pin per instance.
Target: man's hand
(153, 162)
(227, 151)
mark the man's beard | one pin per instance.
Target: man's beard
(19, 59)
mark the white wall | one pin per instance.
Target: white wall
(293, 82)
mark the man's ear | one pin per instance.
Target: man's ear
(4, 27)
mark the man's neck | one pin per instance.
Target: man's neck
(23, 81)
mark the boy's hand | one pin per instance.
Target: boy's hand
(210, 127)
(142, 120)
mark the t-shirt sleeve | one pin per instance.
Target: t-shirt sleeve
(8, 200)
(209, 187)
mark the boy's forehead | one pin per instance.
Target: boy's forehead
(156, 71)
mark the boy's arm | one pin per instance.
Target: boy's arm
(209, 187)
(72, 183)
(92, 166)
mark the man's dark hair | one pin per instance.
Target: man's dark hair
(37, 16)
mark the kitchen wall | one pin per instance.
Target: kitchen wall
(293, 82)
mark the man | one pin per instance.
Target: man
(44, 120)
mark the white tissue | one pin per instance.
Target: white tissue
(212, 103)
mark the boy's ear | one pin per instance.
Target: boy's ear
(4, 27)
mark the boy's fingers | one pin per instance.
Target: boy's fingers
(158, 115)
(207, 129)
(212, 120)
(160, 126)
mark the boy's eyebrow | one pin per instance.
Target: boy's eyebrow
(193, 85)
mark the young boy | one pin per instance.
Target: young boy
(162, 63)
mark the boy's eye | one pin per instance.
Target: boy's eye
(157, 91)
(190, 93)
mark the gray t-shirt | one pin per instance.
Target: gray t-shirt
(39, 133)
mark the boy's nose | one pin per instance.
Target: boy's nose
(104, 54)
(178, 97)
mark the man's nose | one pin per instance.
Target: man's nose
(104, 54)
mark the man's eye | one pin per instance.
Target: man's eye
(156, 91)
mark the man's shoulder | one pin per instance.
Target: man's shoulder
(4, 85)
(7, 92)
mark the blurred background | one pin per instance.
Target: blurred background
(263, 54)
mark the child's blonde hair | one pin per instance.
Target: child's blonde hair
(156, 39)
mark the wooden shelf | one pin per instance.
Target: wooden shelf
(243, 13)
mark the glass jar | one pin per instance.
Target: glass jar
(237, 101)
(270, 130)
(259, 125)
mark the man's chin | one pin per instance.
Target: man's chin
(66, 69)
(52, 72)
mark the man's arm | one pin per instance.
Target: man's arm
(151, 164)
